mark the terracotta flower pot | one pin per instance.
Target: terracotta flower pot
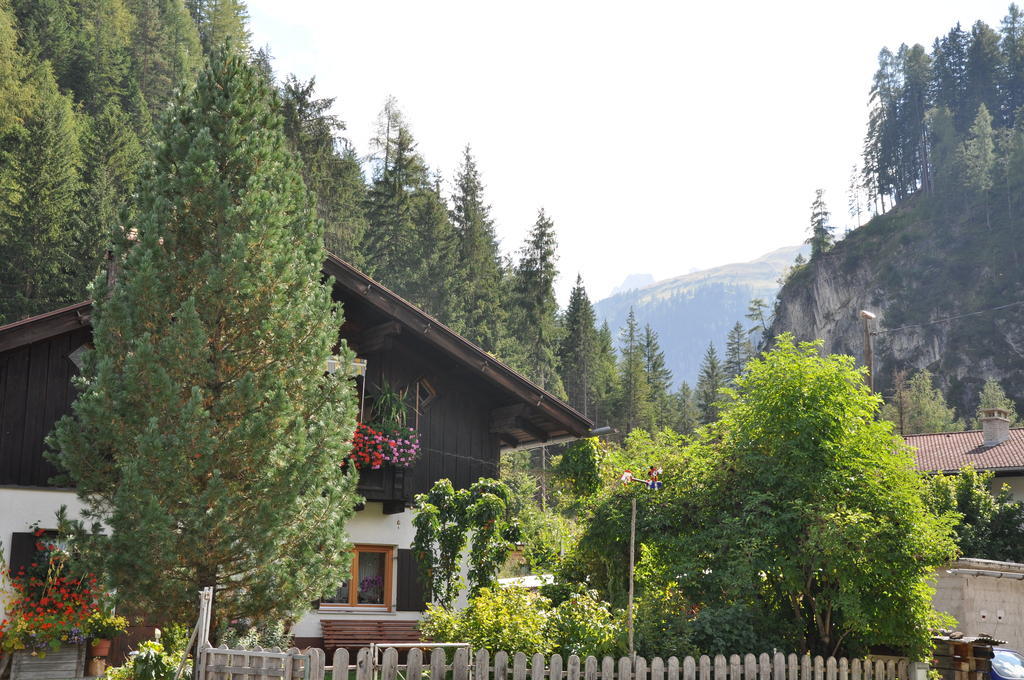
(99, 648)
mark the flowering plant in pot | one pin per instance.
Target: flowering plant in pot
(100, 627)
(374, 445)
(48, 608)
(388, 439)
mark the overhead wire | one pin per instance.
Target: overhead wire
(948, 318)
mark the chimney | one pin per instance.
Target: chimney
(995, 425)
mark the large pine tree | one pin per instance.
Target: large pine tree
(577, 355)
(659, 380)
(209, 435)
(710, 382)
(480, 317)
(535, 309)
(40, 222)
(634, 390)
(821, 231)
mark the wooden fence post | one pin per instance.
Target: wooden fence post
(460, 664)
(413, 665)
(590, 668)
(389, 664)
(483, 665)
(657, 669)
(500, 666)
(438, 663)
(555, 667)
(364, 665)
(537, 667)
(340, 661)
(518, 666)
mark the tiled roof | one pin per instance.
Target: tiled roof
(948, 452)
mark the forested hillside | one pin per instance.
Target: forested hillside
(695, 309)
(941, 264)
(82, 83)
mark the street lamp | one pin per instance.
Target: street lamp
(869, 357)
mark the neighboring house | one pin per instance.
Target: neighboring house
(466, 405)
(995, 448)
(984, 596)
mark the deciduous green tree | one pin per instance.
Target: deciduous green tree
(208, 424)
(762, 532)
(992, 395)
(991, 523)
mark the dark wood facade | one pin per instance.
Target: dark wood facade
(477, 405)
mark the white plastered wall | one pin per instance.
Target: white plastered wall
(21, 507)
(1015, 483)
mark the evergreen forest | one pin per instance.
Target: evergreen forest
(83, 86)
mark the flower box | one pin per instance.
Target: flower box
(60, 664)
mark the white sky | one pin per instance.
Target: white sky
(659, 136)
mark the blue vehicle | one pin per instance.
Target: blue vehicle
(1007, 665)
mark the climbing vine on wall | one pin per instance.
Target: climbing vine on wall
(444, 517)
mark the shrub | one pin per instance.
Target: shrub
(509, 619)
(103, 626)
(586, 626)
(149, 662)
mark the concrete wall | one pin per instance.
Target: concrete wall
(983, 603)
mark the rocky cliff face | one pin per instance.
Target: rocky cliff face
(914, 268)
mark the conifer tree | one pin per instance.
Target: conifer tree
(433, 263)
(577, 355)
(659, 379)
(605, 376)
(949, 76)
(221, 23)
(737, 352)
(102, 65)
(685, 414)
(979, 158)
(634, 400)
(391, 249)
(919, 407)
(710, 382)
(535, 308)
(208, 424)
(330, 166)
(48, 30)
(1012, 78)
(821, 231)
(481, 315)
(42, 182)
(113, 158)
(165, 49)
(985, 64)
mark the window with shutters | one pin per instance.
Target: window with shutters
(369, 585)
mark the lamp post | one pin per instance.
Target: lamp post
(869, 357)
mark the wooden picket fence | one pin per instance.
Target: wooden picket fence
(538, 667)
(223, 663)
(239, 664)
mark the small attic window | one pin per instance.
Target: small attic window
(76, 357)
(425, 393)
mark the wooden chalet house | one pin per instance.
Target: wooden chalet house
(466, 405)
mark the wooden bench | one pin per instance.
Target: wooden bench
(353, 634)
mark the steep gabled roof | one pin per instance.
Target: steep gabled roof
(950, 451)
(533, 416)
